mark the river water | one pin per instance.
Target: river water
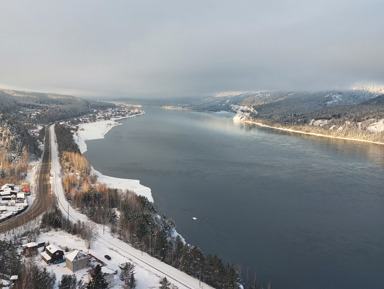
(303, 212)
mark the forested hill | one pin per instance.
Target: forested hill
(21, 112)
(42, 108)
(280, 103)
(357, 113)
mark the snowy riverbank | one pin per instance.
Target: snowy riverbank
(308, 133)
(98, 130)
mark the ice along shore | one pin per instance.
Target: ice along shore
(98, 130)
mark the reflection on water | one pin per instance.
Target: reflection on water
(303, 211)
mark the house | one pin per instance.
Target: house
(20, 197)
(8, 186)
(52, 255)
(109, 275)
(76, 260)
(30, 249)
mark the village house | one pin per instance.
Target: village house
(76, 260)
(20, 198)
(52, 255)
(30, 249)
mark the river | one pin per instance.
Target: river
(303, 212)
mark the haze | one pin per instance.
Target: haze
(176, 48)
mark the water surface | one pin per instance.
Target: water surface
(303, 212)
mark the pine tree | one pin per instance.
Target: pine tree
(68, 282)
(98, 281)
(127, 275)
(131, 283)
(161, 245)
(164, 284)
(177, 252)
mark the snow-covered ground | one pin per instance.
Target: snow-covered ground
(97, 130)
(148, 270)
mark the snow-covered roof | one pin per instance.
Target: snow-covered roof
(30, 245)
(20, 195)
(46, 256)
(7, 186)
(52, 248)
(5, 192)
(76, 255)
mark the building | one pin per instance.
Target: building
(25, 188)
(30, 249)
(20, 198)
(52, 255)
(76, 260)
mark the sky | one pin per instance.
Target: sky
(168, 48)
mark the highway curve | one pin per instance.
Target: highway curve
(43, 200)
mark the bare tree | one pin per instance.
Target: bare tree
(89, 233)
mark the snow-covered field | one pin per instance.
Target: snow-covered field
(148, 270)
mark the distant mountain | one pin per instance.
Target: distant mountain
(375, 101)
(344, 113)
(268, 103)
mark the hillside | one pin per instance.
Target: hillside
(357, 113)
(22, 113)
(43, 108)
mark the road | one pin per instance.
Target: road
(43, 200)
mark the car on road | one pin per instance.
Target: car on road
(107, 257)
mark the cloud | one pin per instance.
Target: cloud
(138, 48)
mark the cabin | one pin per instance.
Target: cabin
(20, 198)
(30, 249)
(108, 274)
(77, 260)
(7, 195)
(52, 255)
(8, 186)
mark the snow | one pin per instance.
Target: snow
(97, 130)
(148, 270)
(124, 184)
(242, 112)
(76, 255)
(377, 127)
(92, 131)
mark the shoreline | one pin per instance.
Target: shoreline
(311, 133)
(98, 130)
